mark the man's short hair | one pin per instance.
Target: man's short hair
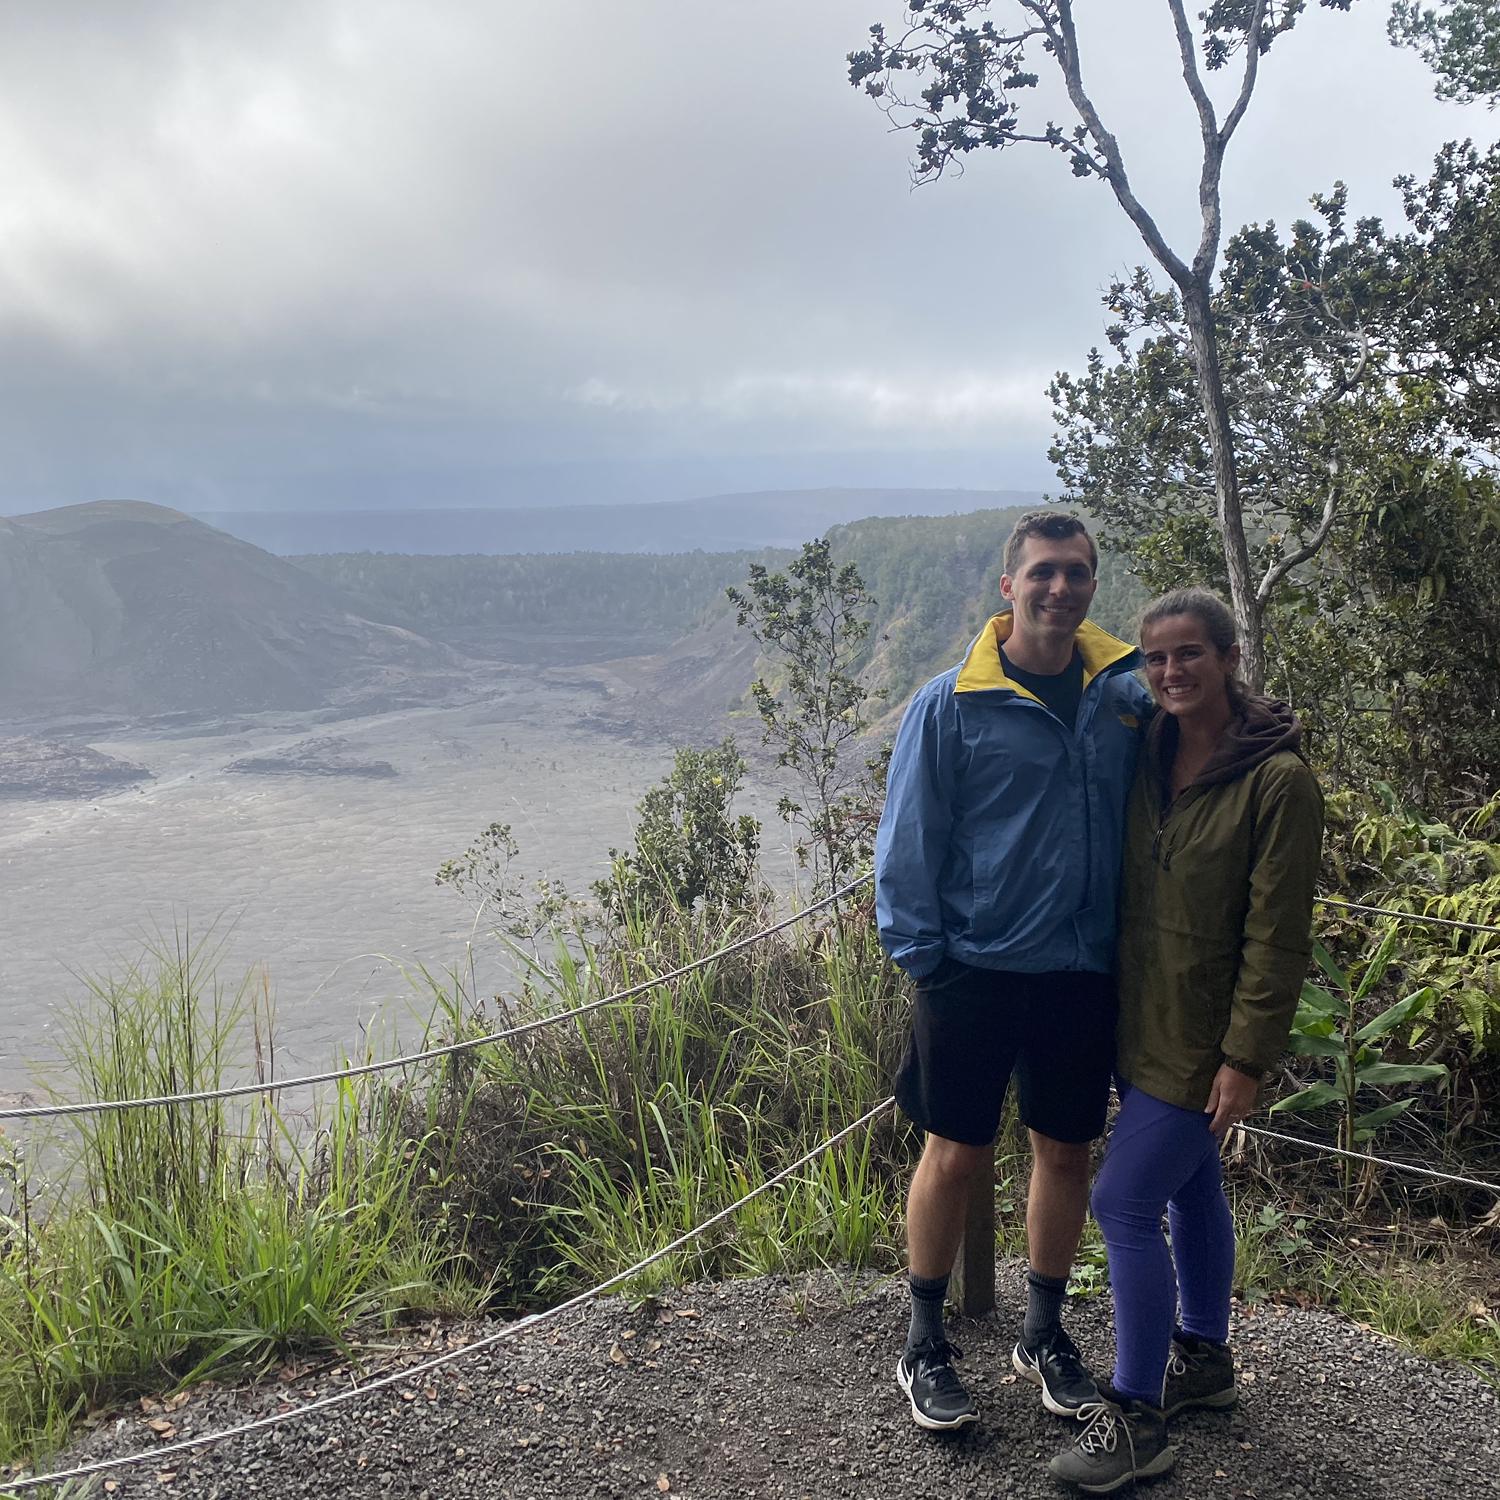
(1055, 525)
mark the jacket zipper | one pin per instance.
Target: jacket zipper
(1169, 806)
(1076, 751)
(1076, 745)
(1165, 861)
(1161, 828)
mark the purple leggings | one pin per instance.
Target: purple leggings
(1161, 1158)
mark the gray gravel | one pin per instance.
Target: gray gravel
(784, 1388)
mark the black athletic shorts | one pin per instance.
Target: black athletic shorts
(972, 1028)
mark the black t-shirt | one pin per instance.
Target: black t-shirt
(1062, 692)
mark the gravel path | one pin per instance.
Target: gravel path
(784, 1388)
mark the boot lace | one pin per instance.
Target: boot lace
(1102, 1434)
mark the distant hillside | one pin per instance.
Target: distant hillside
(718, 523)
(664, 618)
(127, 608)
(935, 580)
(543, 608)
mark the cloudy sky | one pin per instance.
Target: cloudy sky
(324, 253)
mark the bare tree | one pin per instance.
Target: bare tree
(976, 74)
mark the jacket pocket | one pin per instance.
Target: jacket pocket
(1206, 995)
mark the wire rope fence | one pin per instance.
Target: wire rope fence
(1408, 916)
(429, 1054)
(331, 1075)
(489, 1341)
(1369, 1158)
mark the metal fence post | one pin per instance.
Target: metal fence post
(972, 1288)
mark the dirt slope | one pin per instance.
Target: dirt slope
(124, 607)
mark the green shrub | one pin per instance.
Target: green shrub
(593, 1142)
(690, 848)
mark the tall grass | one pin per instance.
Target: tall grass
(591, 1145)
(167, 1243)
(161, 1243)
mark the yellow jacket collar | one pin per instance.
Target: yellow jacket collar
(982, 670)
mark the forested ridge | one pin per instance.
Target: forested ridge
(630, 600)
(934, 580)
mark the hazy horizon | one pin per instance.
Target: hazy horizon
(635, 482)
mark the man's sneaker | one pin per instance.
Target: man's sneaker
(1122, 1441)
(1055, 1364)
(1199, 1373)
(938, 1398)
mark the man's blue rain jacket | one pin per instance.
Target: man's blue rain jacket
(1002, 833)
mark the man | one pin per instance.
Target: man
(997, 865)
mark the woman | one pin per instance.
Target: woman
(1223, 839)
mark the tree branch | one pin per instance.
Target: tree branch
(1207, 122)
(1309, 549)
(1213, 148)
(1215, 140)
(1066, 44)
(1247, 83)
(1042, 10)
(1069, 148)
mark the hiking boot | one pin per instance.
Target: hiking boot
(938, 1398)
(1122, 1441)
(1055, 1364)
(1199, 1373)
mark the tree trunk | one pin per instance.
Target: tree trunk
(1248, 611)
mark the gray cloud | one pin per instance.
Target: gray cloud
(339, 250)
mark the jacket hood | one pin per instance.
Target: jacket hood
(983, 671)
(1261, 728)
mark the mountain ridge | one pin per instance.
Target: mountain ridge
(123, 606)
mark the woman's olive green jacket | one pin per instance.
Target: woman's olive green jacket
(1216, 905)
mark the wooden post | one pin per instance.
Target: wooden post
(972, 1288)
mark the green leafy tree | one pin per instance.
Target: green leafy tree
(1364, 368)
(690, 848)
(1459, 40)
(975, 74)
(812, 622)
(1449, 296)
